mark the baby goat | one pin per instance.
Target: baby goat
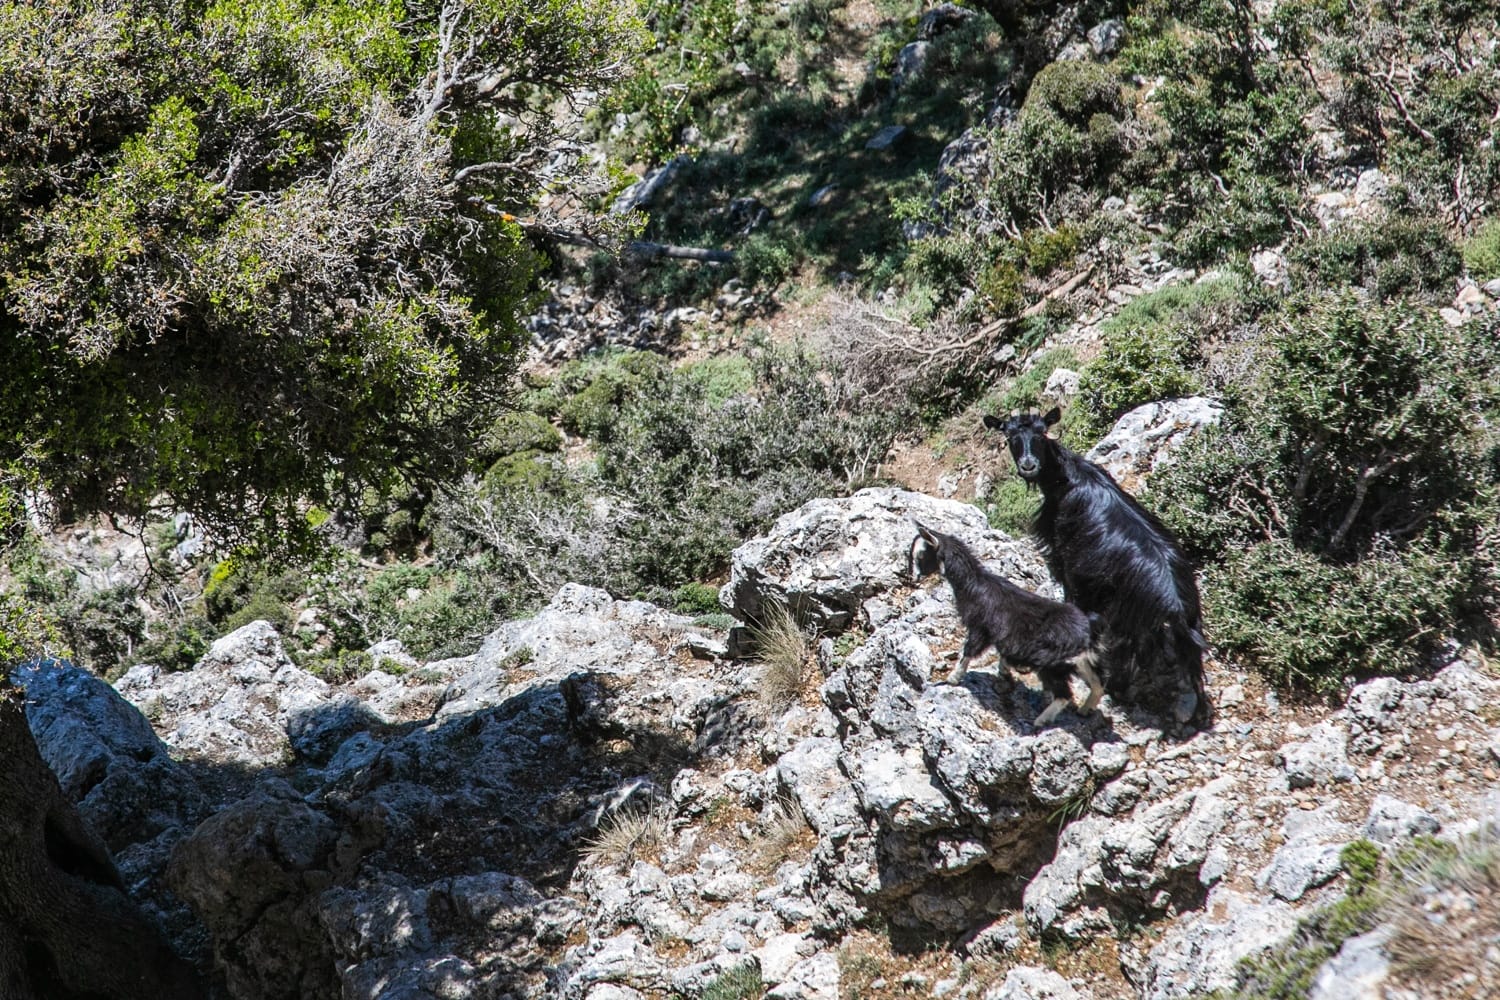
(1025, 629)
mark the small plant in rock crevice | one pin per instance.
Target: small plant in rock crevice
(781, 649)
(628, 836)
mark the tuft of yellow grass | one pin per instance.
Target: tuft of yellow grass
(1446, 921)
(782, 650)
(784, 833)
(627, 837)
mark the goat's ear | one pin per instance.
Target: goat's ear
(994, 423)
(924, 531)
(1052, 417)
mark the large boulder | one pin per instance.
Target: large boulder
(106, 756)
(246, 703)
(1149, 436)
(829, 561)
(936, 803)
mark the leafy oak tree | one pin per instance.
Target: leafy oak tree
(255, 255)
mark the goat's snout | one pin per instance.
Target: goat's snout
(1028, 466)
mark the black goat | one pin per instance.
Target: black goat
(1025, 629)
(1115, 559)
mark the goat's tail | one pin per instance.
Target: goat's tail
(1097, 630)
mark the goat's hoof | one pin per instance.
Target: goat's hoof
(1049, 714)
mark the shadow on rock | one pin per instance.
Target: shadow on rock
(410, 857)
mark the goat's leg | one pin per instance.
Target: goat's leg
(1055, 681)
(975, 643)
(1051, 712)
(1083, 665)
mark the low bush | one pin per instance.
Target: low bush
(519, 431)
(703, 475)
(697, 599)
(583, 395)
(1012, 506)
(1310, 623)
(743, 982)
(433, 612)
(1346, 508)
(693, 461)
(1151, 349)
(239, 592)
(1481, 252)
(1396, 256)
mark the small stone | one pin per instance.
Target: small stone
(823, 196)
(1469, 295)
(887, 137)
(1106, 37)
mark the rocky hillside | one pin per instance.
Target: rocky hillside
(610, 801)
(640, 705)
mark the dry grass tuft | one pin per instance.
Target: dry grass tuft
(1445, 924)
(782, 649)
(626, 837)
(785, 833)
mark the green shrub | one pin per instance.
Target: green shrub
(1346, 506)
(720, 378)
(1073, 92)
(1394, 257)
(585, 394)
(238, 593)
(1231, 148)
(1309, 623)
(764, 260)
(341, 667)
(518, 432)
(177, 643)
(1012, 506)
(740, 983)
(702, 475)
(1003, 287)
(25, 629)
(1481, 252)
(1138, 366)
(102, 628)
(1047, 250)
(521, 470)
(435, 614)
(696, 598)
(1150, 349)
(694, 462)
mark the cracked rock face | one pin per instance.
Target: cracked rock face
(943, 801)
(435, 833)
(826, 559)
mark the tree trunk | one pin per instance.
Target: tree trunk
(67, 929)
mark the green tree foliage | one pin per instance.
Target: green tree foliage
(1234, 146)
(690, 462)
(1347, 507)
(261, 254)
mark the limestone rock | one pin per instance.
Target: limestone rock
(1145, 439)
(826, 558)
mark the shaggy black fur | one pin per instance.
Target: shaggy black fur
(1025, 629)
(1116, 560)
